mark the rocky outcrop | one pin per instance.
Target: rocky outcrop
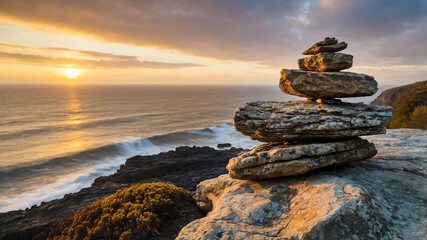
(409, 105)
(326, 84)
(326, 62)
(390, 96)
(285, 121)
(184, 167)
(276, 159)
(380, 198)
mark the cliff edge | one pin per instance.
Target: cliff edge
(409, 104)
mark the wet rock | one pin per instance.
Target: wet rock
(326, 62)
(285, 121)
(287, 159)
(327, 84)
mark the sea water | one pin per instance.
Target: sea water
(57, 139)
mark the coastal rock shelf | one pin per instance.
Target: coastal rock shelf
(285, 121)
(360, 200)
(311, 84)
(279, 159)
(326, 121)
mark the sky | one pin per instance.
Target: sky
(236, 42)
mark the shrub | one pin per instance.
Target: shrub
(131, 213)
(409, 110)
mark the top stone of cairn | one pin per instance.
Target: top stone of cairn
(327, 45)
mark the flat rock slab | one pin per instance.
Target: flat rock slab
(383, 197)
(284, 121)
(311, 84)
(317, 48)
(279, 159)
(326, 62)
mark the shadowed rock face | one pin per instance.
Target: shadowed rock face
(280, 121)
(317, 48)
(277, 159)
(380, 198)
(327, 84)
(326, 62)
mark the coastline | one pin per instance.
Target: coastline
(29, 185)
(184, 167)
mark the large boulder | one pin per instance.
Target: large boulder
(285, 121)
(380, 198)
(279, 159)
(311, 84)
(326, 62)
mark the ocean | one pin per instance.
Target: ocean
(56, 139)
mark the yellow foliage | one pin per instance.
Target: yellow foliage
(133, 211)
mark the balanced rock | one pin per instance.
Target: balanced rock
(326, 84)
(284, 121)
(326, 62)
(325, 46)
(284, 159)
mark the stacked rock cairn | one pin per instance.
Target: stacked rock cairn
(318, 132)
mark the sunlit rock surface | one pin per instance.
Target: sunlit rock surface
(380, 198)
(326, 62)
(283, 121)
(278, 159)
(311, 84)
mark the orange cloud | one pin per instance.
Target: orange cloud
(60, 57)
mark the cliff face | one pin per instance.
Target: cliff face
(380, 198)
(409, 105)
(390, 96)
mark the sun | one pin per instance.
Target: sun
(71, 72)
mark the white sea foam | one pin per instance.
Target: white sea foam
(126, 148)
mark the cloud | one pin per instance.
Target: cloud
(380, 31)
(242, 30)
(64, 57)
(270, 32)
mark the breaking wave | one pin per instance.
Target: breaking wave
(58, 176)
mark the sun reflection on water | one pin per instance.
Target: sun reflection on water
(76, 138)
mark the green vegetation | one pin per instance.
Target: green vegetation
(131, 213)
(410, 110)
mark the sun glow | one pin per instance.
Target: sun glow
(71, 72)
